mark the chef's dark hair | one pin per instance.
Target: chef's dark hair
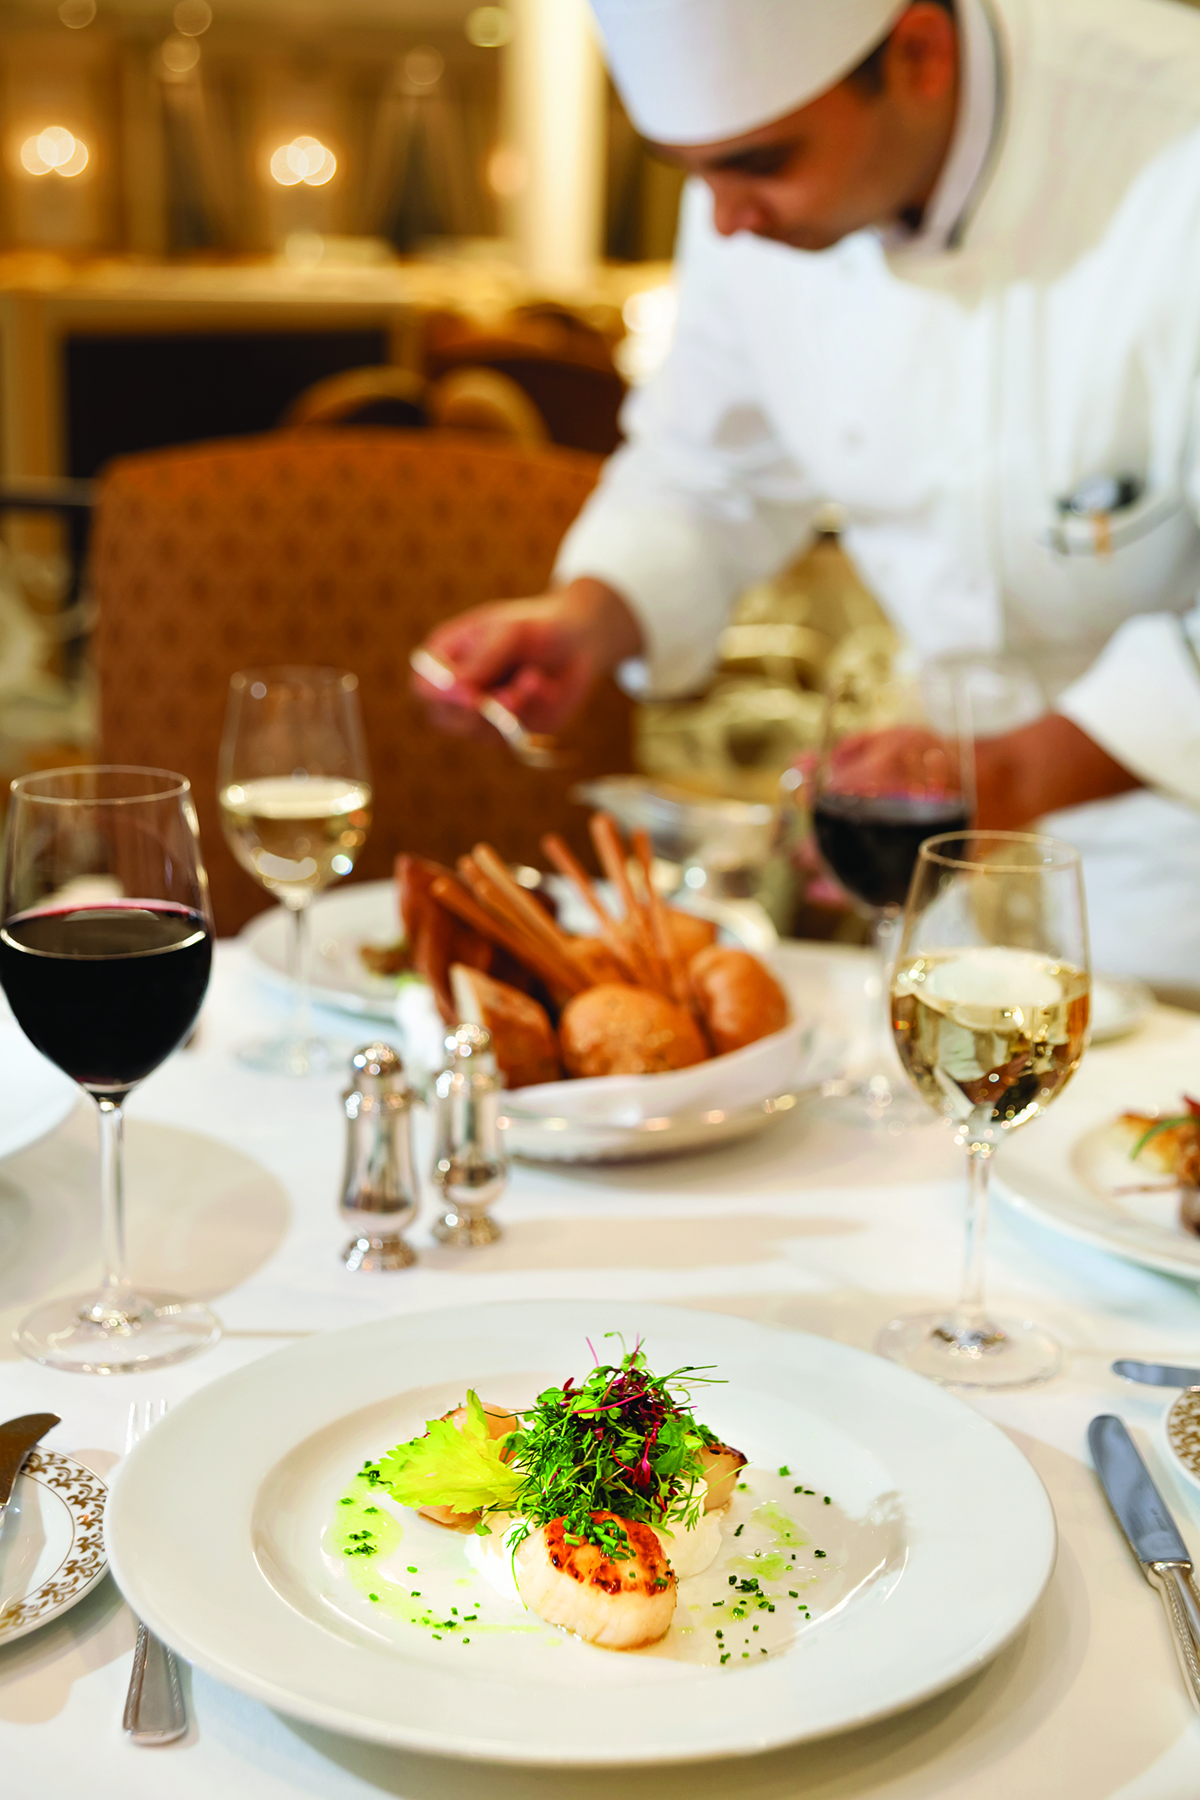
(868, 76)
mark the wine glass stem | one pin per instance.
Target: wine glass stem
(969, 1316)
(112, 1306)
(301, 1030)
(883, 938)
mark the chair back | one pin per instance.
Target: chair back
(342, 546)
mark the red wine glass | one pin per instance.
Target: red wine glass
(896, 766)
(105, 952)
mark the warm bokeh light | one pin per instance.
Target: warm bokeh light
(55, 150)
(489, 27)
(77, 13)
(507, 172)
(192, 17)
(180, 54)
(423, 66)
(304, 159)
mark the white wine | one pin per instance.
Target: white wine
(296, 836)
(989, 1036)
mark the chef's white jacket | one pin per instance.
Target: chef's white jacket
(948, 402)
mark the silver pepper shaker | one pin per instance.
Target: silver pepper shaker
(469, 1169)
(379, 1190)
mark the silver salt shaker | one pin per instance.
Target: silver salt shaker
(379, 1190)
(469, 1169)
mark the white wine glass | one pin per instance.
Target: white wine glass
(294, 788)
(896, 766)
(105, 952)
(991, 995)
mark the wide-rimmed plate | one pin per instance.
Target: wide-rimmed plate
(1072, 1171)
(34, 1095)
(52, 1542)
(365, 913)
(218, 1529)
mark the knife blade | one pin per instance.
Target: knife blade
(1153, 1537)
(17, 1438)
(1157, 1374)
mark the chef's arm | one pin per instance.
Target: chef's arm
(1047, 765)
(701, 501)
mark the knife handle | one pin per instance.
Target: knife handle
(1181, 1608)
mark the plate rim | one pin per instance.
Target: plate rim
(653, 1316)
(90, 1542)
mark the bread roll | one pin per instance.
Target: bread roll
(618, 1030)
(522, 1035)
(740, 1000)
(690, 932)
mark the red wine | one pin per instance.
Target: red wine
(870, 841)
(106, 991)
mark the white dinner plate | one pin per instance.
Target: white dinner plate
(34, 1095)
(940, 1541)
(366, 913)
(1071, 1169)
(51, 1543)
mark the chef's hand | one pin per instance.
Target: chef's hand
(1018, 777)
(902, 759)
(540, 657)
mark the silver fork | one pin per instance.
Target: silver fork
(154, 1709)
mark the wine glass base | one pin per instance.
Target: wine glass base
(157, 1329)
(295, 1057)
(1004, 1353)
(876, 1102)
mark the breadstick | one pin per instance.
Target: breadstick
(568, 864)
(535, 918)
(611, 852)
(570, 975)
(668, 950)
(454, 897)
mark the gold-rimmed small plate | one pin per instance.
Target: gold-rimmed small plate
(52, 1542)
(1181, 1434)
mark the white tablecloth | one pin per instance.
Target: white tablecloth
(233, 1184)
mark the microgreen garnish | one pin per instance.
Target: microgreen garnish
(625, 1442)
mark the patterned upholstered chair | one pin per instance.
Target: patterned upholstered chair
(344, 547)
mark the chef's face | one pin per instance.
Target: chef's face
(862, 153)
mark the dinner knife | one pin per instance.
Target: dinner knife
(1152, 1536)
(1157, 1374)
(17, 1439)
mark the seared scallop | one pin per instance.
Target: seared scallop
(616, 1604)
(721, 1467)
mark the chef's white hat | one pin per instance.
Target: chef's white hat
(700, 71)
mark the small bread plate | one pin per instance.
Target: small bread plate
(366, 913)
(51, 1542)
(1179, 1436)
(34, 1095)
(1072, 1170)
(934, 1547)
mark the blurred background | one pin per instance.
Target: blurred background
(278, 221)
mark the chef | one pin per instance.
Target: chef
(939, 263)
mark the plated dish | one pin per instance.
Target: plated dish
(53, 1551)
(938, 1541)
(1074, 1169)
